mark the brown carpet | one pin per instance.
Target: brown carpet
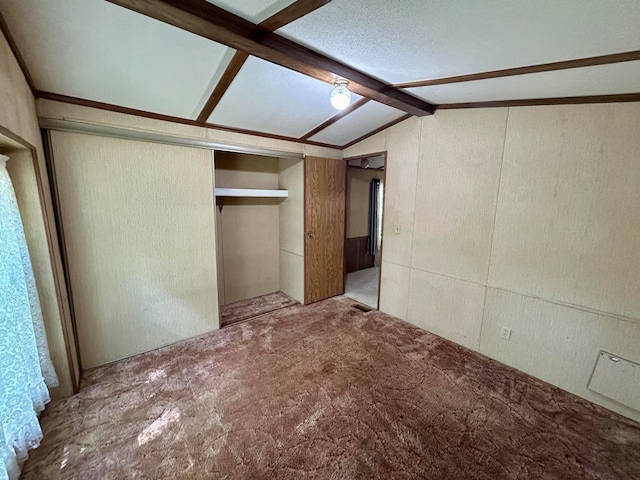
(327, 391)
(254, 307)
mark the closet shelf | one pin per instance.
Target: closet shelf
(250, 192)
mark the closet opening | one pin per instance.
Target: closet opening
(259, 232)
(363, 233)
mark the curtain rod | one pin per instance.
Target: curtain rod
(65, 125)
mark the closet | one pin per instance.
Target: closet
(152, 252)
(259, 226)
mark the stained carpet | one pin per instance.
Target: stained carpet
(254, 307)
(326, 391)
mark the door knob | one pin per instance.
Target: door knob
(309, 234)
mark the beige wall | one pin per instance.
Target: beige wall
(525, 218)
(358, 200)
(139, 231)
(291, 258)
(291, 233)
(516, 212)
(249, 227)
(58, 111)
(18, 116)
(292, 263)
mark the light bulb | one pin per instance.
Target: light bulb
(341, 96)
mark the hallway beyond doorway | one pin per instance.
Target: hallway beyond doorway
(362, 286)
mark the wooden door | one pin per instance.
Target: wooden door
(324, 218)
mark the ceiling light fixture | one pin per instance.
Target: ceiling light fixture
(341, 96)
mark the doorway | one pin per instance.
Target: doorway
(363, 233)
(259, 232)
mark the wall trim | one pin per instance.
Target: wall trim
(582, 308)
(377, 130)
(145, 136)
(534, 102)
(538, 68)
(289, 14)
(4, 28)
(168, 118)
(341, 114)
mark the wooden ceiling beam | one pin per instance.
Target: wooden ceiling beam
(534, 102)
(377, 130)
(296, 10)
(169, 118)
(543, 67)
(293, 12)
(335, 118)
(229, 75)
(209, 21)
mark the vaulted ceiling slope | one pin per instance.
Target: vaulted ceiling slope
(267, 66)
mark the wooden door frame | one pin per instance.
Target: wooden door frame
(346, 210)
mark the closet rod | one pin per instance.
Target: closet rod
(66, 125)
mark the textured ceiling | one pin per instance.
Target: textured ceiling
(253, 10)
(411, 40)
(365, 119)
(95, 50)
(597, 80)
(272, 99)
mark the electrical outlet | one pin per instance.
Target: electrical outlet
(396, 229)
(505, 333)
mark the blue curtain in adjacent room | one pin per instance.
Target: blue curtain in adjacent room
(26, 370)
(373, 217)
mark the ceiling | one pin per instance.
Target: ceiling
(97, 51)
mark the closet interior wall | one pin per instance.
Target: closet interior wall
(260, 248)
(291, 178)
(247, 228)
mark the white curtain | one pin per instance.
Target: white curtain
(25, 366)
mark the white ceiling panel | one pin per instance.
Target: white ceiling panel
(412, 40)
(272, 99)
(365, 119)
(95, 50)
(253, 10)
(601, 80)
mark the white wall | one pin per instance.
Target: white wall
(527, 218)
